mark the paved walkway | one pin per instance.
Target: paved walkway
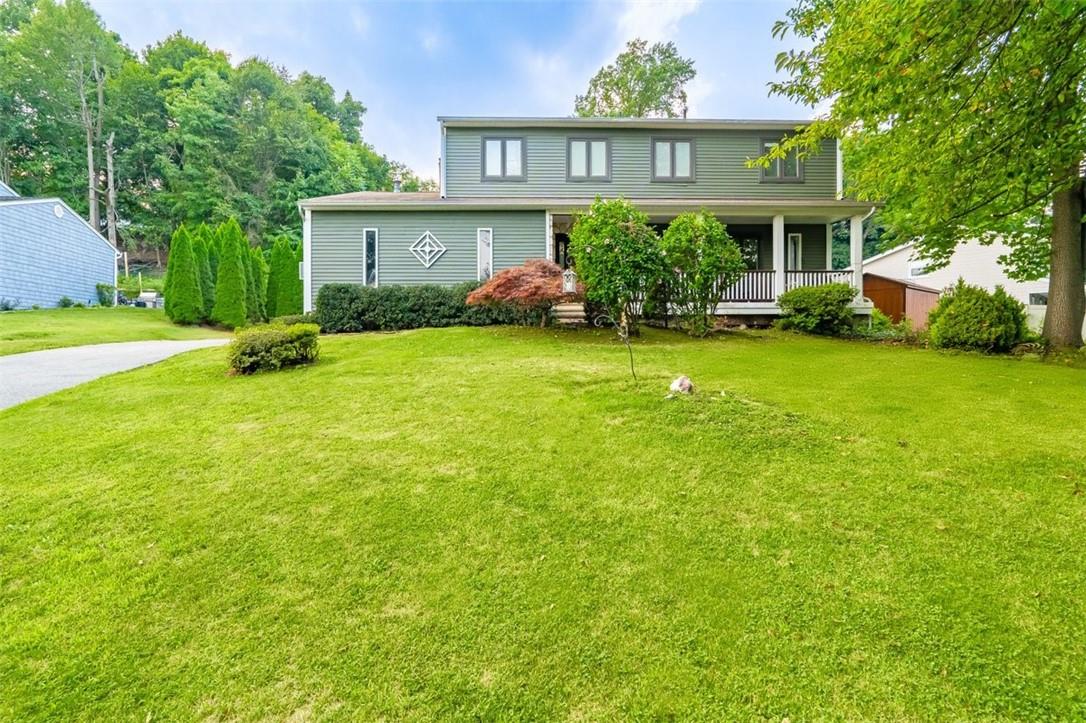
(36, 373)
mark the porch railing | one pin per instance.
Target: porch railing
(754, 286)
(794, 279)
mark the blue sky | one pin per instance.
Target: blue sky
(410, 62)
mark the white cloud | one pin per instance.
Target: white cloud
(698, 92)
(652, 20)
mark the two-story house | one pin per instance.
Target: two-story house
(511, 188)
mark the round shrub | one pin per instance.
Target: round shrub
(706, 261)
(617, 256)
(818, 309)
(969, 317)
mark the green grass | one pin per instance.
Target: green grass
(51, 328)
(499, 523)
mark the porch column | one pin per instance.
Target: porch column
(829, 246)
(856, 255)
(779, 260)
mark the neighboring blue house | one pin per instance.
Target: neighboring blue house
(47, 251)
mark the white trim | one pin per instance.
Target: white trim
(28, 201)
(376, 256)
(548, 236)
(840, 169)
(856, 251)
(490, 261)
(603, 122)
(780, 259)
(442, 161)
(307, 260)
(829, 246)
(889, 252)
(799, 251)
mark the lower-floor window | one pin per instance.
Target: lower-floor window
(794, 251)
(484, 241)
(369, 255)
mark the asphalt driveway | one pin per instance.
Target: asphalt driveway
(34, 374)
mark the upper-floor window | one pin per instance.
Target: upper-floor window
(787, 169)
(672, 159)
(589, 159)
(504, 159)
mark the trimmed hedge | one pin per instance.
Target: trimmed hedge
(288, 319)
(818, 309)
(353, 307)
(273, 347)
(969, 317)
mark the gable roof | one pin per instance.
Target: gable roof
(889, 252)
(7, 191)
(903, 282)
(660, 123)
(13, 202)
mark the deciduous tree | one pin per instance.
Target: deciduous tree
(969, 122)
(617, 256)
(643, 82)
(705, 261)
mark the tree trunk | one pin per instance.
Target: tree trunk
(92, 181)
(1066, 295)
(111, 194)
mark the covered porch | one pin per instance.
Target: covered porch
(782, 250)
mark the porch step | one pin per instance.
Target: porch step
(569, 313)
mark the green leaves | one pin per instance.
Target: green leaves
(642, 82)
(617, 256)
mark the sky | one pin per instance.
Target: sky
(412, 61)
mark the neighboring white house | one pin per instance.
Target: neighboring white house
(976, 263)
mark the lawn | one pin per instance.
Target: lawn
(500, 523)
(50, 328)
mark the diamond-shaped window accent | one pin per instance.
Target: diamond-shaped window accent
(427, 249)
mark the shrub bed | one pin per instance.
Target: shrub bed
(272, 347)
(818, 309)
(969, 317)
(352, 307)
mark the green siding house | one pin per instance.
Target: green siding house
(511, 188)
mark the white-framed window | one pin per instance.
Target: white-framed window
(369, 256)
(504, 159)
(484, 253)
(794, 251)
(672, 159)
(589, 159)
(781, 170)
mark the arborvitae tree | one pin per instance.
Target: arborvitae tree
(284, 293)
(251, 300)
(231, 284)
(260, 280)
(184, 300)
(273, 277)
(200, 243)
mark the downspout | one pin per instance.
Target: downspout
(441, 162)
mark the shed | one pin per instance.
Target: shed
(900, 299)
(47, 251)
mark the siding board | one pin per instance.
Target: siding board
(43, 257)
(337, 244)
(720, 166)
